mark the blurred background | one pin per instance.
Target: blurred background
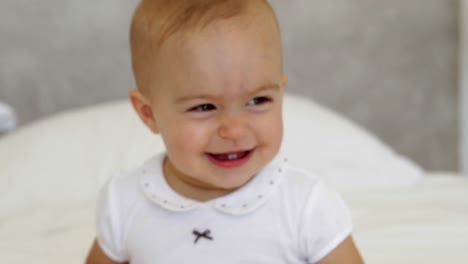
(388, 65)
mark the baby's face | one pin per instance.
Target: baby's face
(218, 104)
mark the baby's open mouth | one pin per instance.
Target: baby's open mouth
(230, 156)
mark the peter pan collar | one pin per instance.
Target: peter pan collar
(245, 200)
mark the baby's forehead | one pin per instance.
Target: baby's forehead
(159, 23)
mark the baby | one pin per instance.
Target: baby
(210, 82)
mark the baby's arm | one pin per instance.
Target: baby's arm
(97, 256)
(346, 252)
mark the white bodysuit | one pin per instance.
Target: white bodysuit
(283, 215)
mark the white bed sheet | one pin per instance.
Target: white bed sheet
(427, 224)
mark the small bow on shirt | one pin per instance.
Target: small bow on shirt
(199, 235)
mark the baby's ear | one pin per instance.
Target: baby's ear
(143, 108)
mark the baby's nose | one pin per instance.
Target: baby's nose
(233, 127)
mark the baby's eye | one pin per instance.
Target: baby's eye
(259, 100)
(202, 108)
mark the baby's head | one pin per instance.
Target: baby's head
(210, 81)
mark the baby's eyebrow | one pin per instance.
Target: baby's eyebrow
(194, 97)
(268, 86)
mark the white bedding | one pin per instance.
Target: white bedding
(427, 223)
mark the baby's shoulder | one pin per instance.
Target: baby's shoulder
(305, 186)
(297, 179)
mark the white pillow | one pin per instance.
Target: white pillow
(340, 152)
(65, 158)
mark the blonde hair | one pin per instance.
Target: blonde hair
(155, 21)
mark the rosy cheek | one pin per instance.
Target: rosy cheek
(188, 136)
(273, 128)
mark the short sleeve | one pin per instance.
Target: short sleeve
(326, 223)
(110, 223)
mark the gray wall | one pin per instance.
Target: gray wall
(389, 65)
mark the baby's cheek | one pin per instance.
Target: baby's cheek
(272, 127)
(187, 138)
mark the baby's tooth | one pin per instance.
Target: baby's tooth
(232, 156)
